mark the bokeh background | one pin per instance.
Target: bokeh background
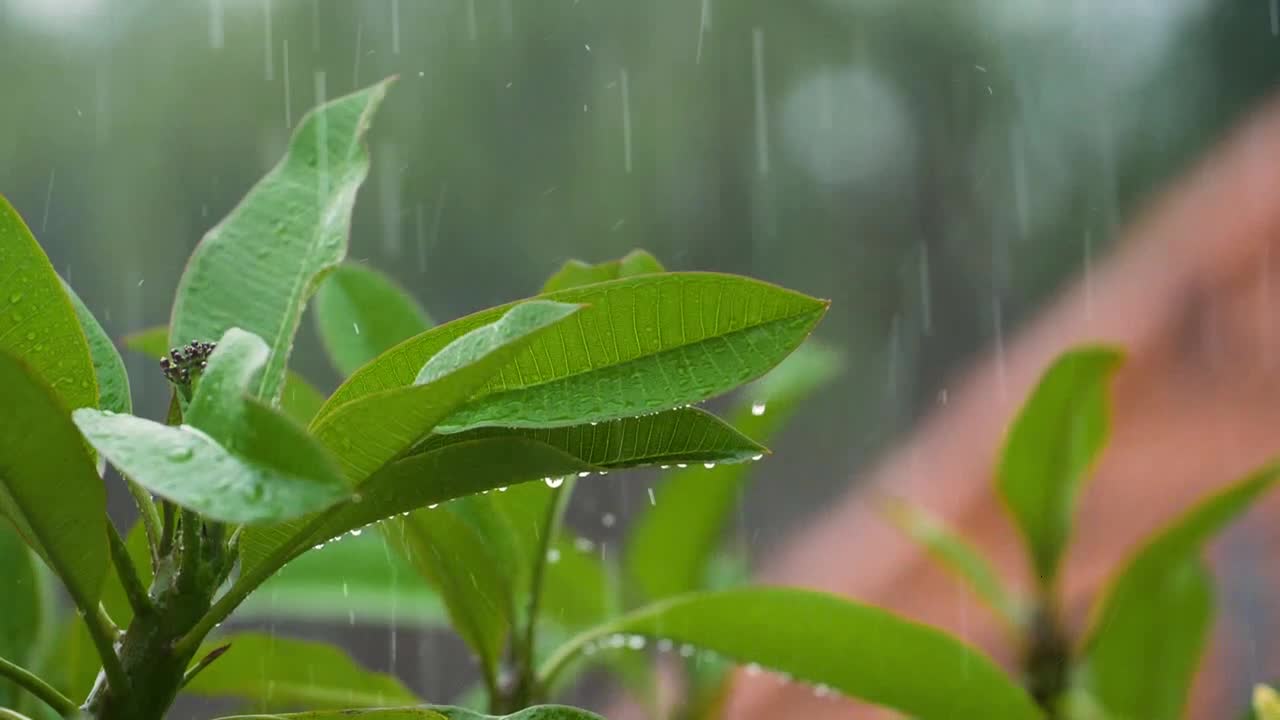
(935, 167)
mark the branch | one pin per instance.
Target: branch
(128, 573)
(60, 703)
(103, 633)
(205, 662)
(149, 515)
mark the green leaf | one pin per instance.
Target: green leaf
(1151, 626)
(1266, 703)
(236, 461)
(430, 478)
(369, 432)
(274, 672)
(37, 321)
(113, 381)
(299, 401)
(1051, 447)
(20, 608)
(455, 558)
(957, 555)
(542, 712)
(669, 547)
(357, 578)
(578, 589)
(684, 435)
(576, 273)
(642, 345)
(257, 268)
(49, 488)
(360, 313)
(826, 641)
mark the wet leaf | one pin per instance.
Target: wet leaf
(369, 432)
(236, 460)
(455, 558)
(956, 555)
(299, 400)
(20, 608)
(108, 368)
(1150, 628)
(38, 323)
(831, 643)
(1051, 447)
(359, 578)
(49, 488)
(576, 273)
(360, 313)
(641, 345)
(275, 672)
(670, 545)
(257, 268)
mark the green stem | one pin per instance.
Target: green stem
(7, 714)
(25, 679)
(103, 632)
(248, 582)
(149, 516)
(127, 572)
(570, 650)
(205, 662)
(189, 524)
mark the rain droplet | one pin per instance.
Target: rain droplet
(608, 520)
(665, 645)
(502, 489)
(432, 506)
(15, 298)
(635, 642)
(180, 454)
(584, 474)
(356, 532)
(753, 669)
(553, 482)
(584, 545)
(553, 556)
(681, 465)
(757, 458)
(708, 466)
(757, 409)
(318, 547)
(356, 327)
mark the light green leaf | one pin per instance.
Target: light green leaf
(642, 345)
(360, 313)
(113, 381)
(37, 321)
(1266, 703)
(49, 488)
(358, 578)
(257, 268)
(450, 472)
(20, 608)
(576, 273)
(684, 435)
(455, 559)
(958, 556)
(299, 401)
(274, 672)
(1051, 447)
(578, 589)
(542, 712)
(670, 545)
(276, 473)
(367, 433)
(826, 641)
(1151, 625)
(219, 405)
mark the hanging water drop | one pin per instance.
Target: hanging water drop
(709, 465)
(758, 408)
(553, 556)
(553, 482)
(758, 457)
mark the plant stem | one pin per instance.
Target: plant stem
(205, 662)
(167, 530)
(189, 524)
(39, 688)
(526, 685)
(103, 633)
(149, 516)
(7, 714)
(127, 573)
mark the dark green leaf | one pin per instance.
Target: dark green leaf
(669, 547)
(684, 435)
(274, 672)
(405, 485)
(299, 401)
(37, 321)
(576, 273)
(49, 488)
(832, 643)
(1150, 629)
(456, 560)
(1050, 448)
(360, 313)
(20, 608)
(113, 381)
(643, 345)
(257, 268)
(356, 578)
(367, 433)
(958, 556)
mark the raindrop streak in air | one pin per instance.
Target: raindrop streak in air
(762, 113)
(268, 59)
(48, 200)
(625, 85)
(288, 101)
(215, 24)
(704, 24)
(395, 27)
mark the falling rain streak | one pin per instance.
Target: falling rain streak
(625, 86)
(288, 100)
(215, 24)
(704, 24)
(395, 27)
(762, 115)
(269, 68)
